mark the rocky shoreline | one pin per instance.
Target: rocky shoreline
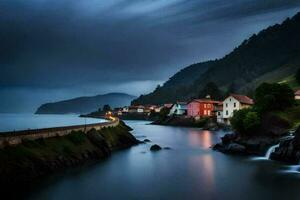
(273, 130)
(182, 121)
(235, 144)
(24, 164)
(288, 150)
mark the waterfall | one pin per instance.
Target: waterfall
(268, 153)
(271, 150)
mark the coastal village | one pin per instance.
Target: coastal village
(220, 111)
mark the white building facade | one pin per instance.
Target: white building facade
(233, 103)
(125, 109)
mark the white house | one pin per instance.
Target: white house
(297, 95)
(140, 109)
(179, 108)
(125, 109)
(235, 102)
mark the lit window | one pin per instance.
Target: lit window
(208, 112)
(205, 113)
(204, 105)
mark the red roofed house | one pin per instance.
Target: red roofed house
(297, 95)
(235, 102)
(199, 108)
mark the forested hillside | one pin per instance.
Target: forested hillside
(271, 55)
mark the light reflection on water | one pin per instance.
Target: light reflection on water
(191, 170)
(206, 166)
(203, 140)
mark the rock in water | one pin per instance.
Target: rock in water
(288, 150)
(155, 147)
(147, 140)
(236, 148)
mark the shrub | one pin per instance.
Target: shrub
(245, 121)
(106, 108)
(251, 122)
(202, 122)
(237, 121)
(273, 96)
(164, 113)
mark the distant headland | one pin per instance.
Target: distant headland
(82, 105)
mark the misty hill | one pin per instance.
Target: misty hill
(271, 55)
(82, 105)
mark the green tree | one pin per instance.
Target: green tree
(273, 96)
(297, 76)
(106, 108)
(163, 113)
(237, 121)
(251, 122)
(245, 121)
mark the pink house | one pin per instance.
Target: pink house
(202, 108)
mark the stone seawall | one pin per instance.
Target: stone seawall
(23, 166)
(16, 137)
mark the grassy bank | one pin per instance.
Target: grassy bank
(32, 160)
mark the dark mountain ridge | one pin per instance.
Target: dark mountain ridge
(275, 48)
(83, 105)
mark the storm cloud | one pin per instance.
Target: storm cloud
(56, 49)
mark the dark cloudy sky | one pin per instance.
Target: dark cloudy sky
(57, 49)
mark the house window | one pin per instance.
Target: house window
(205, 113)
(204, 105)
(229, 99)
(208, 112)
(226, 105)
(226, 112)
(234, 105)
(219, 113)
(208, 105)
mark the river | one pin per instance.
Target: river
(190, 170)
(11, 121)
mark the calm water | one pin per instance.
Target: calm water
(10, 122)
(191, 170)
